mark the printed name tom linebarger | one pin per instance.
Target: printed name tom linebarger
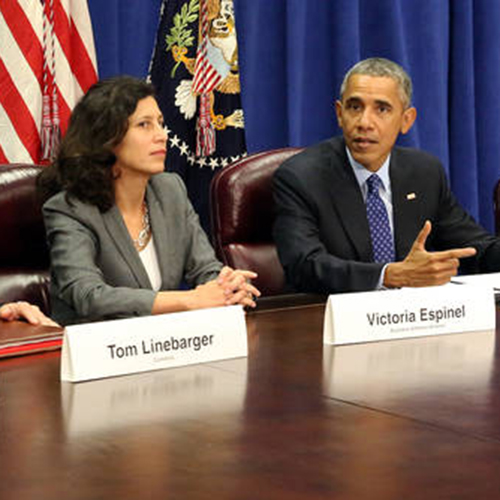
(195, 343)
(423, 315)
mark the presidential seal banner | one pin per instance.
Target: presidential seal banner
(196, 74)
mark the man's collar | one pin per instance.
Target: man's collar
(362, 173)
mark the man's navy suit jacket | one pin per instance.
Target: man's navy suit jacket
(321, 230)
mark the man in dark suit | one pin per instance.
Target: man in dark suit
(335, 232)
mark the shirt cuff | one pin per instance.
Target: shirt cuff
(380, 284)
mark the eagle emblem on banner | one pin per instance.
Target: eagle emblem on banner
(212, 65)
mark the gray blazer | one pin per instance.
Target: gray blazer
(96, 272)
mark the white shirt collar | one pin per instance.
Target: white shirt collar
(362, 173)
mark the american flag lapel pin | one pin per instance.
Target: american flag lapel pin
(411, 196)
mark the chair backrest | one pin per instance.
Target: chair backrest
(496, 207)
(24, 258)
(242, 216)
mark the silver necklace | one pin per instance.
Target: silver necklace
(142, 239)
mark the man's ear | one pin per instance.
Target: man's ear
(409, 117)
(338, 111)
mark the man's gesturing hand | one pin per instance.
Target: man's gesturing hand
(422, 268)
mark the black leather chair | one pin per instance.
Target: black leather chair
(24, 258)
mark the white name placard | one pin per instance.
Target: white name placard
(410, 312)
(118, 347)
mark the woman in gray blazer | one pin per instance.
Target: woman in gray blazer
(122, 233)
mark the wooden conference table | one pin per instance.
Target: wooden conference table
(409, 419)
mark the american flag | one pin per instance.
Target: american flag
(47, 62)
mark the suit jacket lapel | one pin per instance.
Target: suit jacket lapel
(349, 204)
(118, 232)
(405, 202)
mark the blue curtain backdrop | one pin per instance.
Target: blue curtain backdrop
(293, 54)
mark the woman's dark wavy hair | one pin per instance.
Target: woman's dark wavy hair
(98, 123)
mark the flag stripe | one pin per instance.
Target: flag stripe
(67, 85)
(66, 53)
(20, 72)
(14, 150)
(81, 62)
(18, 112)
(207, 78)
(80, 19)
(3, 158)
(21, 29)
(73, 48)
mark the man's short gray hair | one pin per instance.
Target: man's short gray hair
(378, 66)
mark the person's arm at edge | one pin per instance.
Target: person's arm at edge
(21, 310)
